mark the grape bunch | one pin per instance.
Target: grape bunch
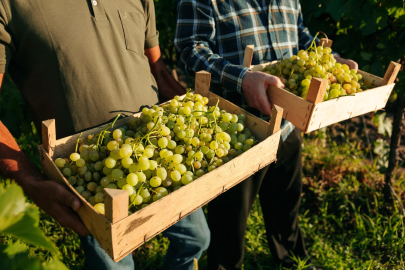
(317, 62)
(157, 153)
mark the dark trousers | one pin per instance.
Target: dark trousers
(279, 186)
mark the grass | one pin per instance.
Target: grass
(343, 217)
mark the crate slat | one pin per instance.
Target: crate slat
(120, 234)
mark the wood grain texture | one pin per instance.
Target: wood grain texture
(96, 223)
(391, 73)
(317, 90)
(326, 42)
(275, 120)
(116, 202)
(295, 109)
(346, 107)
(248, 56)
(202, 83)
(49, 136)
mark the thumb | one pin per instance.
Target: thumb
(273, 80)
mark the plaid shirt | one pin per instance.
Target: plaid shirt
(212, 35)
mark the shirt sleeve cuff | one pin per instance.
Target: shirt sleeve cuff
(232, 77)
(153, 41)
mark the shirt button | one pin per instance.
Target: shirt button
(95, 3)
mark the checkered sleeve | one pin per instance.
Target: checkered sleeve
(195, 36)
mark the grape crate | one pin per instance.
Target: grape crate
(310, 112)
(119, 231)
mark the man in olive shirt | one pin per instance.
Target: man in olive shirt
(82, 63)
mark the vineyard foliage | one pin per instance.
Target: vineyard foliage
(368, 31)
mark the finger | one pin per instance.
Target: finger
(264, 104)
(273, 80)
(68, 198)
(353, 65)
(69, 219)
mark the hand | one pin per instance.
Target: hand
(352, 64)
(254, 89)
(58, 202)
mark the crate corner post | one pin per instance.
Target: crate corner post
(248, 56)
(202, 83)
(116, 203)
(275, 120)
(391, 73)
(49, 136)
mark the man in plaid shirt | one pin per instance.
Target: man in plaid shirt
(212, 35)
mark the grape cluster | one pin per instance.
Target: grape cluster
(157, 153)
(317, 62)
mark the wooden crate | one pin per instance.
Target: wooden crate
(118, 233)
(312, 113)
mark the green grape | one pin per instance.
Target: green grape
(126, 151)
(181, 168)
(213, 145)
(99, 197)
(177, 159)
(186, 179)
(99, 189)
(233, 127)
(129, 188)
(94, 155)
(92, 186)
(155, 181)
(171, 144)
(249, 142)
(199, 155)
(121, 182)
(98, 166)
(334, 93)
(164, 131)
(143, 164)
(141, 177)
(112, 145)
(162, 142)
(161, 173)
(204, 149)
(117, 173)
(67, 172)
(111, 186)
(132, 179)
(117, 134)
(104, 181)
(110, 162)
(246, 147)
(60, 162)
(175, 175)
(242, 138)
(127, 162)
(88, 176)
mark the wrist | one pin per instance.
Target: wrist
(29, 184)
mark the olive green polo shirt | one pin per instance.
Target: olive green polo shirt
(79, 61)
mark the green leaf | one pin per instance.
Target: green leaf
(384, 125)
(14, 248)
(336, 8)
(20, 219)
(366, 56)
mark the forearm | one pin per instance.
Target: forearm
(168, 87)
(14, 163)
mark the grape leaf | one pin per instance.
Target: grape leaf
(14, 248)
(366, 56)
(19, 219)
(384, 125)
(336, 8)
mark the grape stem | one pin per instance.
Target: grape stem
(102, 133)
(77, 142)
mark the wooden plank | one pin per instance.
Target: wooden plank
(295, 109)
(275, 120)
(49, 136)
(326, 42)
(391, 73)
(116, 202)
(248, 56)
(374, 80)
(202, 83)
(317, 90)
(96, 223)
(156, 217)
(336, 110)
